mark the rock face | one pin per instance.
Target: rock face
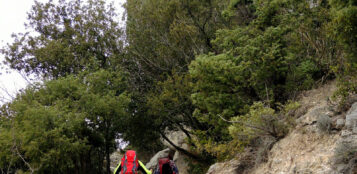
(351, 117)
(340, 123)
(230, 167)
(178, 138)
(305, 149)
(154, 160)
(302, 151)
(114, 160)
(181, 162)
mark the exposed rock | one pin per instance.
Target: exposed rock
(177, 137)
(181, 162)
(324, 123)
(354, 130)
(345, 133)
(341, 168)
(179, 159)
(313, 115)
(305, 150)
(154, 160)
(351, 117)
(353, 108)
(348, 139)
(230, 167)
(340, 123)
(115, 157)
(300, 153)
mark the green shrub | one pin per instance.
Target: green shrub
(344, 152)
(324, 123)
(196, 167)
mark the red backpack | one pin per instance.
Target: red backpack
(129, 163)
(166, 166)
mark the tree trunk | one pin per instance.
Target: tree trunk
(196, 157)
(107, 157)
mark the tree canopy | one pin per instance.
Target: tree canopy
(225, 73)
(67, 37)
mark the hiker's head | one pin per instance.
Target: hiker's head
(166, 168)
(171, 154)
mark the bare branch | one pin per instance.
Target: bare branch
(14, 147)
(245, 124)
(27, 164)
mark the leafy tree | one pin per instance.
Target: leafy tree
(264, 60)
(163, 36)
(229, 82)
(166, 35)
(68, 125)
(171, 108)
(65, 38)
(105, 104)
(43, 138)
(344, 31)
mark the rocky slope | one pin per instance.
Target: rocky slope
(313, 146)
(178, 138)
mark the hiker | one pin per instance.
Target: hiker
(166, 166)
(130, 164)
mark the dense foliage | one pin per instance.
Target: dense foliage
(225, 73)
(70, 37)
(67, 125)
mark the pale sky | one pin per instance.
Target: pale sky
(12, 18)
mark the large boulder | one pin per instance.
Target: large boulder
(177, 137)
(351, 117)
(229, 167)
(115, 158)
(181, 162)
(179, 159)
(154, 160)
(313, 115)
(340, 123)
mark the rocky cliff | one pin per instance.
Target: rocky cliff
(178, 138)
(323, 141)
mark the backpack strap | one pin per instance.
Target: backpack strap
(134, 169)
(125, 163)
(118, 168)
(142, 166)
(163, 161)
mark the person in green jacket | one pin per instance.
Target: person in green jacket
(129, 164)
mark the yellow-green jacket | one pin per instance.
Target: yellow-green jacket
(141, 167)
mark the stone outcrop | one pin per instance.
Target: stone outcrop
(230, 167)
(306, 149)
(351, 118)
(114, 160)
(340, 123)
(178, 138)
(154, 160)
